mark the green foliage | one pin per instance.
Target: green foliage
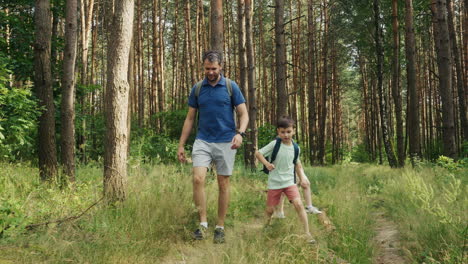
(172, 123)
(360, 154)
(266, 134)
(18, 114)
(148, 145)
(450, 164)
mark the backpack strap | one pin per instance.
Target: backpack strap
(296, 157)
(275, 150)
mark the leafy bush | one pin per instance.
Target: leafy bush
(151, 146)
(360, 154)
(18, 115)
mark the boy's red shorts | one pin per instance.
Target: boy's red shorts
(273, 197)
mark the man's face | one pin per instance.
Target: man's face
(286, 134)
(212, 70)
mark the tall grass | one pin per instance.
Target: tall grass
(154, 224)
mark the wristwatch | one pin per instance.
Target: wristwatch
(243, 134)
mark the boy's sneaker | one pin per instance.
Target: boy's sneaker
(278, 215)
(199, 234)
(218, 236)
(312, 210)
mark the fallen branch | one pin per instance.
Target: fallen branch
(59, 221)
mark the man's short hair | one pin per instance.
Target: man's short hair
(212, 56)
(285, 122)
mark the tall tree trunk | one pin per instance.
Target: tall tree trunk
(43, 85)
(282, 98)
(459, 72)
(311, 79)
(217, 26)
(87, 7)
(252, 135)
(321, 130)
(383, 104)
(413, 106)
(68, 91)
(241, 13)
(445, 81)
(396, 93)
(116, 138)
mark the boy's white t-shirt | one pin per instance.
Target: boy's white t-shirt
(283, 174)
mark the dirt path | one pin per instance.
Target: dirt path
(387, 240)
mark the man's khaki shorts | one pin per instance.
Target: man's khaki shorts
(221, 154)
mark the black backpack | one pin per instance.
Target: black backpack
(272, 157)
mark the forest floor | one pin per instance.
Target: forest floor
(387, 240)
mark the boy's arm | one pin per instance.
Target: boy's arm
(265, 162)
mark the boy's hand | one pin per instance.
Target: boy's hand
(270, 166)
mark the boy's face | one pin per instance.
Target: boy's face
(286, 134)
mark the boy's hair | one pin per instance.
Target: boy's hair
(212, 56)
(285, 122)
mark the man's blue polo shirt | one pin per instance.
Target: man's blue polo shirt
(216, 118)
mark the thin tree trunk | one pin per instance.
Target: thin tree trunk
(459, 72)
(323, 95)
(413, 107)
(217, 26)
(396, 93)
(68, 91)
(383, 104)
(116, 138)
(445, 81)
(252, 139)
(43, 85)
(282, 99)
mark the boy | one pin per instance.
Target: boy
(281, 178)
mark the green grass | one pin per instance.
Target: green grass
(154, 224)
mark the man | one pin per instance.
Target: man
(217, 139)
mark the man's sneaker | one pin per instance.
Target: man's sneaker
(218, 236)
(312, 210)
(199, 234)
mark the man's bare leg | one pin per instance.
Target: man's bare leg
(199, 197)
(223, 198)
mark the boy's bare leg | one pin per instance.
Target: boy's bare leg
(268, 213)
(307, 194)
(302, 214)
(199, 197)
(223, 198)
(279, 209)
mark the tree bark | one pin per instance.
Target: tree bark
(311, 79)
(252, 135)
(68, 91)
(459, 72)
(445, 81)
(321, 130)
(116, 137)
(217, 26)
(413, 106)
(280, 51)
(43, 86)
(396, 92)
(382, 101)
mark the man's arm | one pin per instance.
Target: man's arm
(188, 124)
(243, 122)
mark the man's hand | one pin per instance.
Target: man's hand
(181, 154)
(236, 141)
